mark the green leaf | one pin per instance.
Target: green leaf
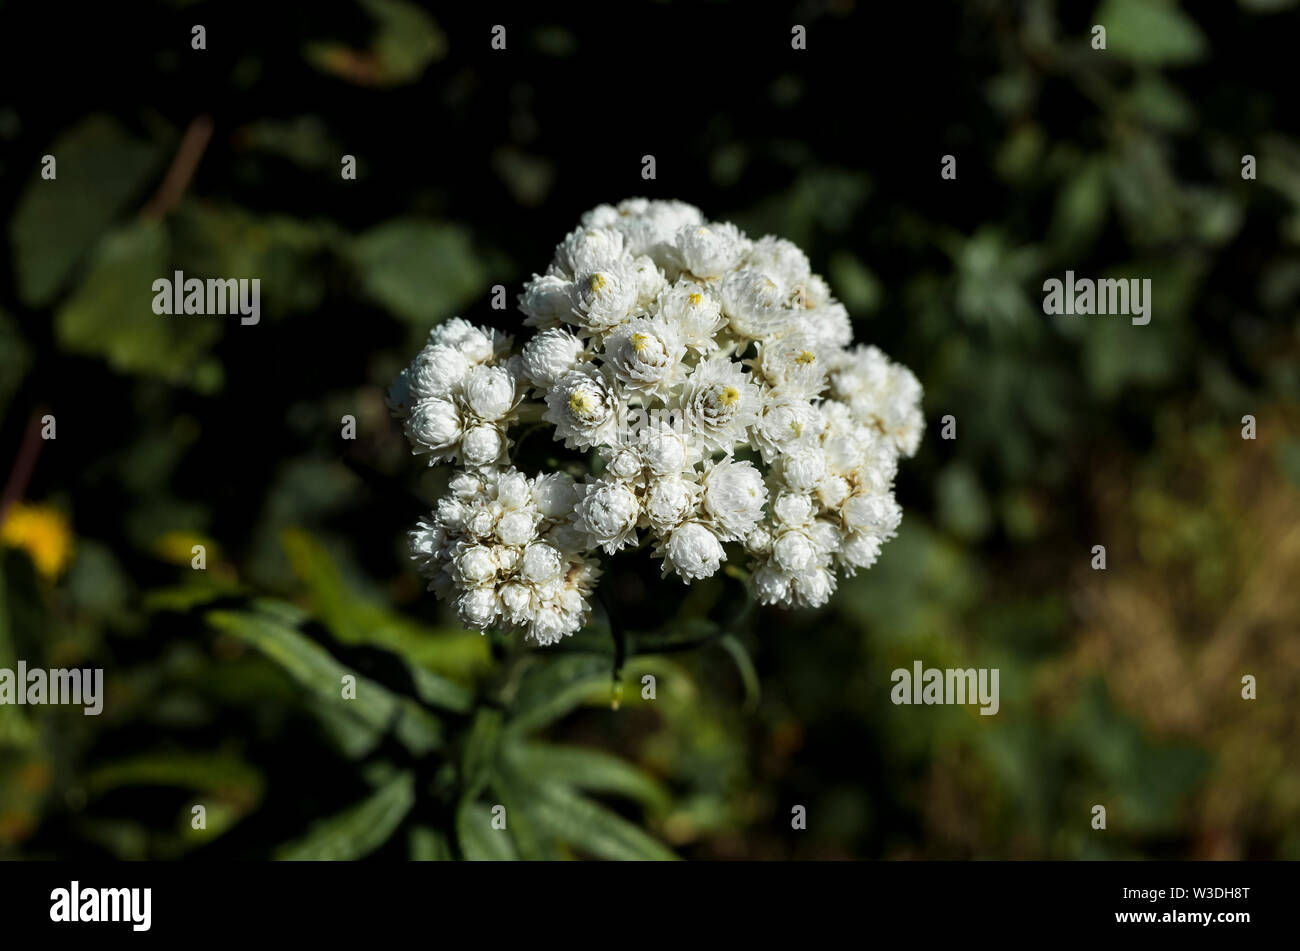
(590, 827)
(316, 670)
(590, 770)
(479, 842)
(1080, 211)
(534, 842)
(745, 667)
(552, 688)
(428, 845)
(423, 271)
(356, 831)
(406, 41)
(480, 749)
(101, 170)
(1150, 31)
(354, 620)
(221, 774)
(111, 314)
(15, 358)
(287, 255)
(15, 729)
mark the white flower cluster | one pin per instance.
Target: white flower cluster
(710, 380)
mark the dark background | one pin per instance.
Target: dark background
(1119, 687)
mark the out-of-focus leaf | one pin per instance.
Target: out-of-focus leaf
(424, 271)
(357, 831)
(854, 283)
(533, 841)
(354, 620)
(287, 255)
(111, 313)
(15, 729)
(1159, 102)
(101, 170)
(548, 691)
(15, 357)
(745, 667)
(478, 841)
(590, 827)
(303, 140)
(1150, 31)
(428, 845)
(221, 774)
(405, 42)
(590, 770)
(963, 504)
(1080, 211)
(481, 749)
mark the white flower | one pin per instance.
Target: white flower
(585, 250)
(586, 408)
(550, 355)
(646, 354)
(718, 402)
(670, 501)
(692, 551)
(476, 344)
(607, 512)
(605, 298)
(489, 392)
(554, 495)
(803, 468)
(734, 495)
(483, 445)
(478, 607)
(710, 251)
(882, 393)
(667, 345)
(794, 363)
(780, 258)
(695, 312)
(547, 300)
(437, 371)
(665, 450)
(434, 426)
(785, 422)
(756, 306)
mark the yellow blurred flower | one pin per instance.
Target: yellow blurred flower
(43, 532)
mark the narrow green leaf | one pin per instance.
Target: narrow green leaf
(316, 670)
(428, 845)
(586, 769)
(553, 687)
(358, 830)
(479, 842)
(590, 827)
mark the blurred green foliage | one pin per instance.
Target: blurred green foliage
(1119, 687)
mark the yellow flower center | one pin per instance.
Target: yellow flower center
(596, 283)
(729, 396)
(695, 299)
(640, 342)
(805, 357)
(580, 404)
